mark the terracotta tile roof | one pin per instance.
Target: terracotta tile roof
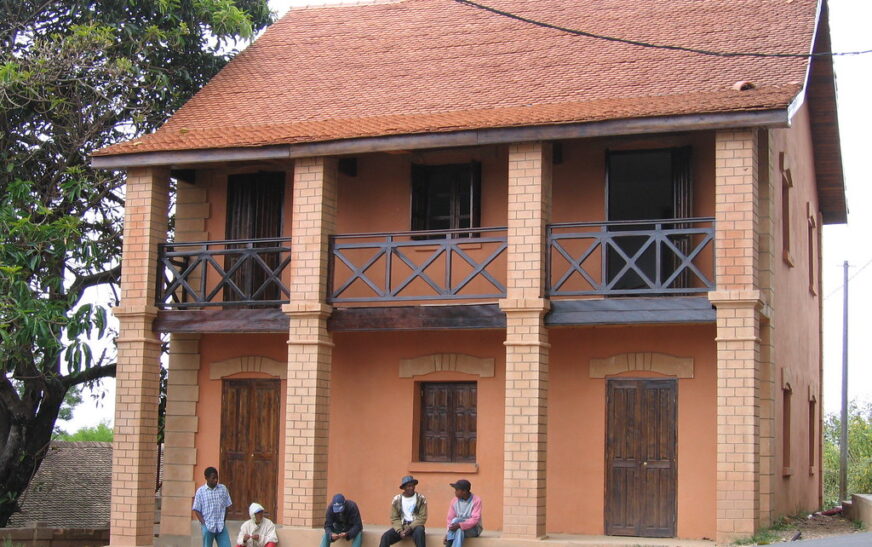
(420, 66)
(71, 489)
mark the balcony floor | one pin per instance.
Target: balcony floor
(588, 312)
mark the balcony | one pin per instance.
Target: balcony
(585, 261)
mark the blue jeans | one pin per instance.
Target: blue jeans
(456, 537)
(355, 542)
(222, 537)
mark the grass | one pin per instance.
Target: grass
(763, 537)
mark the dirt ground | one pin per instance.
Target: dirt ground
(817, 526)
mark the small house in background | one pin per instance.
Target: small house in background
(580, 268)
(71, 489)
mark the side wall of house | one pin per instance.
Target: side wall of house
(796, 319)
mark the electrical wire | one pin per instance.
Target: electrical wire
(639, 43)
(840, 287)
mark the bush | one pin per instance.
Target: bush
(859, 453)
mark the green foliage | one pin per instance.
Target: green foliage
(859, 452)
(76, 76)
(763, 537)
(101, 432)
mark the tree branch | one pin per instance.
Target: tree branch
(89, 375)
(83, 282)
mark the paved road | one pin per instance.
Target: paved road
(850, 540)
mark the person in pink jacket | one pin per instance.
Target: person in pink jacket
(464, 515)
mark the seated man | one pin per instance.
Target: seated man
(408, 515)
(259, 531)
(342, 522)
(464, 514)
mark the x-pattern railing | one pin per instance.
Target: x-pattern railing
(375, 260)
(661, 256)
(242, 272)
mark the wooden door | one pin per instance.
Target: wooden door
(254, 211)
(640, 458)
(250, 444)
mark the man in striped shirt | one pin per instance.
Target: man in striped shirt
(210, 507)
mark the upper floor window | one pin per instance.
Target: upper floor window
(786, 186)
(254, 211)
(812, 239)
(448, 421)
(446, 197)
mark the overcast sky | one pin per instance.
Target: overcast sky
(852, 242)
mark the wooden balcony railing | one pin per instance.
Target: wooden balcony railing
(663, 257)
(223, 273)
(674, 256)
(425, 265)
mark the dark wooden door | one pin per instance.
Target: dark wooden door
(250, 444)
(640, 458)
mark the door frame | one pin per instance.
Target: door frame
(673, 382)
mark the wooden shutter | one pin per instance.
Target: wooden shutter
(448, 422)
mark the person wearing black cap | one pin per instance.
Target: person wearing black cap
(464, 514)
(408, 515)
(342, 522)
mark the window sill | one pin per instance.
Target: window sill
(812, 470)
(788, 258)
(786, 471)
(443, 467)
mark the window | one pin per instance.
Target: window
(446, 197)
(254, 211)
(448, 422)
(786, 392)
(647, 185)
(812, 434)
(812, 261)
(786, 185)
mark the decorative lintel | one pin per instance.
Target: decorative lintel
(247, 363)
(670, 365)
(458, 362)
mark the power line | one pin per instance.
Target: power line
(840, 287)
(639, 43)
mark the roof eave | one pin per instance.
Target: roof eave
(608, 128)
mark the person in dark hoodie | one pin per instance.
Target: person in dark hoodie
(342, 521)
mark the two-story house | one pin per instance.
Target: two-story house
(569, 251)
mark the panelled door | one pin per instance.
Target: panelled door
(250, 444)
(640, 457)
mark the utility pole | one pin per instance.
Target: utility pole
(843, 441)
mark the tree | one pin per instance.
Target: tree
(859, 453)
(75, 76)
(101, 432)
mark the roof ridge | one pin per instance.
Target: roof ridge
(343, 4)
(80, 444)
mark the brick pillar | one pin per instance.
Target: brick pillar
(180, 453)
(134, 456)
(739, 304)
(526, 420)
(310, 345)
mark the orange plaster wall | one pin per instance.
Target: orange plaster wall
(577, 423)
(372, 422)
(219, 347)
(797, 320)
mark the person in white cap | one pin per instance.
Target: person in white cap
(257, 532)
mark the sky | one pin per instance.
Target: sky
(852, 242)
